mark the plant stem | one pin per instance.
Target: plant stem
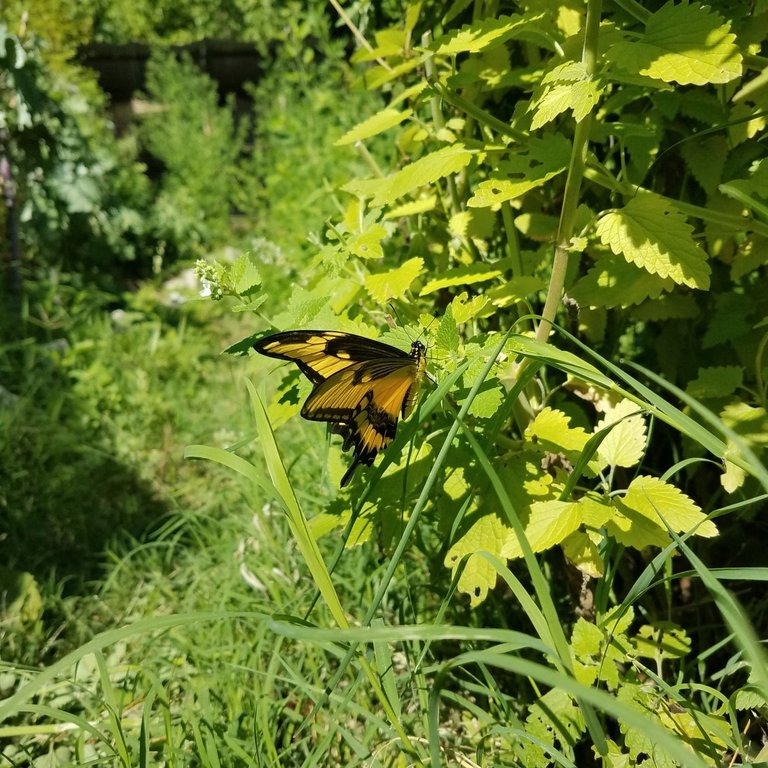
(573, 182)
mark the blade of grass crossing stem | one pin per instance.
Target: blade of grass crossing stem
(296, 519)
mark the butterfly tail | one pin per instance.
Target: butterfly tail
(351, 471)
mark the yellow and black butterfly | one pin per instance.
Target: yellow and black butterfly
(362, 387)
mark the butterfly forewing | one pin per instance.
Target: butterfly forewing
(362, 387)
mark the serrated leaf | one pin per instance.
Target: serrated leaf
(514, 290)
(664, 640)
(748, 421)
(367, 245)
(551, 431)
(683, 43)
(625, 443)
(426, 170)
(488, 533)
(245, 275)
(671, 306)
(614, 282)
(551, 522)
(749, 697)
(473, 273)
(584, 554)
(474, 38)
(477, 223)
(567, 87)
(705, 156)
(654, 499)
(393, 284)
(465, 309)
(652, 234)
(378, 123)
(487, 401)
(527, 168)
(752, 255)
(422, 205)
(729, 320)
(716, 381)
(447, 335)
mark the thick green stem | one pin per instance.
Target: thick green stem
(573, 182)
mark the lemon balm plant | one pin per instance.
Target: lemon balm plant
(579, 199)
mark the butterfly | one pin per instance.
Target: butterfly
(361, 386)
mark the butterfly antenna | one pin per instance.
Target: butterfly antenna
(426, 328)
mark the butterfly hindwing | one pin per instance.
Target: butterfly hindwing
(362, 387)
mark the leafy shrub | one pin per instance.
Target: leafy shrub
(526, 173)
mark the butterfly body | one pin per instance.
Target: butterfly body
(362, 387)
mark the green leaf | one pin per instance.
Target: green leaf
(716, 381)
(584, 554)
(465, 309)
(670, 306)
(652, 234)
(474, 38)
(664, 640)
(613, 282)
(567, 86)
(683, 43)
(447, 335)
(514, 290)
(424, 171)
(550, 522)
(367, 245)
(378, 123)
(487, 401)
(489, 534)
(752, 255)
(625, 443)
(393, 284)
(473, 273)
(654, 499)
(245, 277)
(705, 156)
(422, 205)
(551, 431)
(527, 168)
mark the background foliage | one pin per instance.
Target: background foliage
(535, 572)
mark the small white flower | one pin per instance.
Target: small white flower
(206, 292)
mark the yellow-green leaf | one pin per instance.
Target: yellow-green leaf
(422, 205)
(489, 534)
(424, 171)
(378, 123)
(393, 284)
(367, 245)
(473, 273)
(552, 431)
(567, 86)
(683, 43)
(465, 309)
(584, 554)
(651, 233)
(476, 37)
(654, 499)
(625, 443)
(529, 167)
(614, 282)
